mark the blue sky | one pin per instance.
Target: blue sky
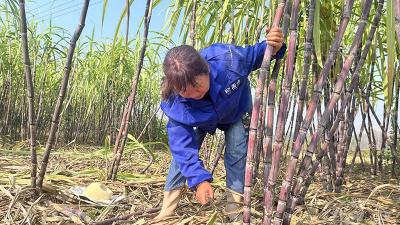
(66, 14)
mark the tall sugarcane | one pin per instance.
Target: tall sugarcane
(264, 72)
(269, 101)
(63, 88)
(299, 194)
(282, 113)
(262, 117)
(286, 184)
(308, 45)
(343, 146)
(30, 92)
(123, 130)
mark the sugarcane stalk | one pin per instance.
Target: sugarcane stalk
(193, 25)
(246, 30)
(308, 46)
(358, 150)
(289, 131)
(330, 158)
(29, 91)
(372, 110)
(260, 24)
(269, 102)
(285, 188)
(347, 134)
(299, 194)
(351, 114)
(340, 152)
(261, 122)
(282, 114)
(127, 23)
(260, 134)
(123, 130)
(264, 72)
(374, 166)
(370, 131)
(221, 148)
(393, 146)
(63, 88)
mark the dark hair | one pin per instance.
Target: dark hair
(181, 66)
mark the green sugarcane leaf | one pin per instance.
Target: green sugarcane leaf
(317, 33)
(391, 51)
(103, 14)
(121, 17)
(212, 219)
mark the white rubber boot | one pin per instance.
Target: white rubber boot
(170, 202)
(234, 207)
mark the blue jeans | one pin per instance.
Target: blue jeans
(236, 139)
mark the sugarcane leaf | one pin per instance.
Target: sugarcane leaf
(317, 33)
(103, 14)
(137, 145)
(212, 219)
(121, 17)
(391, 51)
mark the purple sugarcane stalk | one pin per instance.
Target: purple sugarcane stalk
(282, 113)
(344, 146)
(303, 87)
(123, 130)
(340, 151)
(55, 121)
(306, 69)
(221, 148)
(299, 194)
(394, 145)
(30, 92)
(270, 102)
(286, 184)
(264, 72)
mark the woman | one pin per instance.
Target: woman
(203, 91)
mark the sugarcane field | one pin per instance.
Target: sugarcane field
(199, 112)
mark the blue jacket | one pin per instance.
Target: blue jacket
(230, 96)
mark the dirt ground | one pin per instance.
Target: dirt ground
(365, 199)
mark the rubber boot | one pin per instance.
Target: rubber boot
(234, 207)
(170, 202)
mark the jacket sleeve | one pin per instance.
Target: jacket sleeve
(184, 150)
(255, 54)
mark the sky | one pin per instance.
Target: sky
(66, 14)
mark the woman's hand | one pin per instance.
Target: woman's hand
(275, 38)
(204, 192)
